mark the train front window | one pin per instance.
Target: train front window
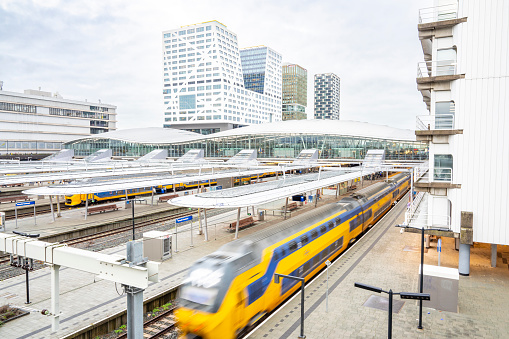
(198, 295)
(203, 289)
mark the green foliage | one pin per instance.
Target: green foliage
(118, 331)
(123, 327)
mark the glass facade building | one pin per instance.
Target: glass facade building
(327, 95)
(277, 140)
(295, 97)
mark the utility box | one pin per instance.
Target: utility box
(2, 221)
(261, 216)
(442, 285)
(157, 245)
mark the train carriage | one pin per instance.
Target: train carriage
(231, 288)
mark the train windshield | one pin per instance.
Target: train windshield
(203, 289)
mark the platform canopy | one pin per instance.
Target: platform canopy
(105, 184)
(254, 195)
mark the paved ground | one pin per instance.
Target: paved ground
(379, 260)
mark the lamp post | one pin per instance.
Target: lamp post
(402, 295)
(277, 276)
(28, 264)
(421, 273)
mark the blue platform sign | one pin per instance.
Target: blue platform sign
(219, 188)
(179, 220)
(439, 246)
(25, 203)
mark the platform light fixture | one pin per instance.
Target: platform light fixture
(277, 279)
(402, 295)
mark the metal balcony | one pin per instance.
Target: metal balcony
(438, 13)
(442, 177)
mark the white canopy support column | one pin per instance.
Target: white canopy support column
(58, 206)
(286, 207)
(55, 298)
(206, 229)
(199, 221)
(237, 225)
(337, 190)
(51, 206)
(86, 206)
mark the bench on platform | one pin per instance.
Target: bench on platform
(242, 223)
(15, 198)
(100, 209)
(167, 197)
(291, 206)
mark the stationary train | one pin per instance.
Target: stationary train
(79, 199)
(228, 290)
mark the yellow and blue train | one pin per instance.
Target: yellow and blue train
(80, 199)
(228, 290)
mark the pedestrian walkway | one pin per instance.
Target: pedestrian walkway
(382, 259)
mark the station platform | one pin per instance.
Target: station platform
(378, 259)
(85, 299)
(389, 259)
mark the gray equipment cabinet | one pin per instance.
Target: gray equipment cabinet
(157, 245)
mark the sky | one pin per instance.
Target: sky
(112, 50)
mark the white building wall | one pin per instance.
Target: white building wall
(481, 153)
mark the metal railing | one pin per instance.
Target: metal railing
(442, 174)
(438, 13)
(423, 220)
(421, 170)
(433, 122)
(426, 69)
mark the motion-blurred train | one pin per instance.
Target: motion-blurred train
(227, 291)
(80, 199)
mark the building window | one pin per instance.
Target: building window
(187, 102)
(443, 167)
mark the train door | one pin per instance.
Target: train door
(240, 311)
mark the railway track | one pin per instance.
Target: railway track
(157, 327)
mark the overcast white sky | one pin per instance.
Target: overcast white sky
(112, 50)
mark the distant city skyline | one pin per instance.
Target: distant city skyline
(112, 51)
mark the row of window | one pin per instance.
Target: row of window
(8, 106)
(78, 114)
(29, 145)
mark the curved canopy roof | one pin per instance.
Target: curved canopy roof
(159, 135)
(147, 135)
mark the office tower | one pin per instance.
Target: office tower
(327, 89)
(204, 83)
(295, 95)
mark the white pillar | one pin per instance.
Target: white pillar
(206, 229)
(58, 206)
(51, 206)
(464, 259)
(199, 221)
(55, 296)
(86, 207)
(237, 225)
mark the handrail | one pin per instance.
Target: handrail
(426, 69)
(438, 13)
(434, 122)
(424, 220)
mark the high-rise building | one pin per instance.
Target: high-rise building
(465, 85)
(327, 89)
(295, 92)
(206, 89)
(38, 122)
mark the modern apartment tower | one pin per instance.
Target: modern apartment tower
(295, 92)
(205, 86)
(327, 89)
(465, 85)
(39, 122)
